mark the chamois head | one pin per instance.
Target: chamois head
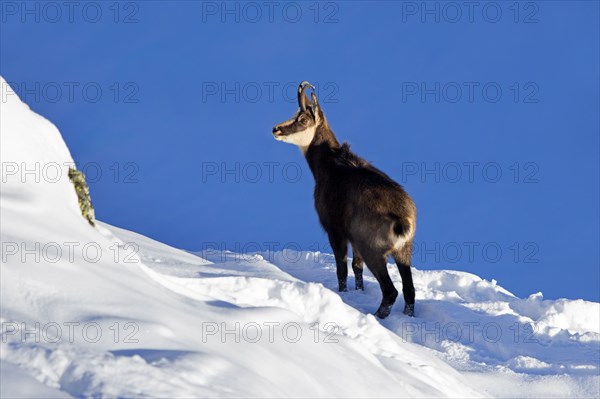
(301, 128)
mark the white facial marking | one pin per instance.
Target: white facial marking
(301, 139)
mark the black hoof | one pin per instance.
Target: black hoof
(383, 311)
(409, 310)
(359, 283)
(343, 287)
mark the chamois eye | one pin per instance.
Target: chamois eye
(303, 120)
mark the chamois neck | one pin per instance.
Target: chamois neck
(320, 151)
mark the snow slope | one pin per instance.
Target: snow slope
(104, 312)
(98, 321)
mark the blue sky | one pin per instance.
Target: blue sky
(487, 115)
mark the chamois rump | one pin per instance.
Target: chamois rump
(356, 203)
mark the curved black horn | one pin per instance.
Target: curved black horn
(301, 96)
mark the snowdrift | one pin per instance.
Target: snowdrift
(104, 312)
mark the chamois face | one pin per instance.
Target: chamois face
(300, 129)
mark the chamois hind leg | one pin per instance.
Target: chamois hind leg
(340, 251)
(357, 268)
(377, 264)
(402, 258)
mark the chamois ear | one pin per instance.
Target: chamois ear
(314, 104)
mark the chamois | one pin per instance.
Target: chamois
(356, 203)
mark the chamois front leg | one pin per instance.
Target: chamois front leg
(340, 251)
(357, 268)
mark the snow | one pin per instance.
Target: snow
(105, 312)
(16, 383)
(506, 346)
